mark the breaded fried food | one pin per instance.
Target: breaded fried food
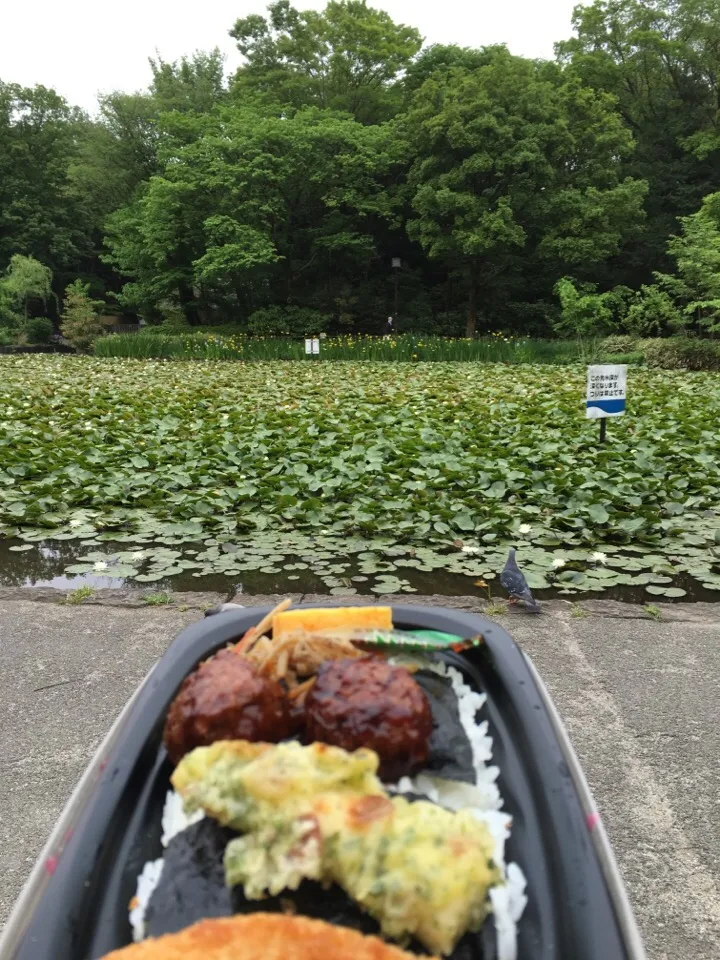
(320, 813)
(262, 936)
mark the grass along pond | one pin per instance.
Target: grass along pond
(355, 477)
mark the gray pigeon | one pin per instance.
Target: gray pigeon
(516, 585)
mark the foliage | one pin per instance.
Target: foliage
(584, 313)
(618, 343)
(265, 223)
(38, 330)
(682, 353)
(287, 322)
(77, 596)
(81, 324)
(346, 57)
(26, 280)
(659, 59)
(37, 146)
(161, 599)
(341, 145)
(651, 312)
(406, 347)
(343, 471)
(697, 254)
(10, 316)
(507, 168)
(191, 85)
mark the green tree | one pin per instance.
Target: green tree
(80, 322)
(696, 251)
(37, 145)
(660, 59)
(190, 85)
(26, 280)
(347, 57)
(292, 204)
(516, 169)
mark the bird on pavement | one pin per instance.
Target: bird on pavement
(515, 583)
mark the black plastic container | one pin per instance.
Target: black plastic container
(75, 904)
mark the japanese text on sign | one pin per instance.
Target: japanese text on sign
(606, 389)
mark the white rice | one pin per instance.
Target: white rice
(147, 881)
(174, 818)
(482, 798)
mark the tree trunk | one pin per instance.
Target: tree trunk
(188, 304)
(472, 302)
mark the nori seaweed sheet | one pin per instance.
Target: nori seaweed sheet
(450, 754)
(192, 887)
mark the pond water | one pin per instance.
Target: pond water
(45, 564)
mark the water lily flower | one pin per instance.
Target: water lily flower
(137, 555)
(599, 557)
(76, 523)
(524, 528)
(471, 549)
(558, 562)
(99, 566)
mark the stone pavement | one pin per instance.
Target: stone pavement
(641, 700)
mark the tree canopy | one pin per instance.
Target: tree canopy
(342, 145)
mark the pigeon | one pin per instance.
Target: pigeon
(516, 585)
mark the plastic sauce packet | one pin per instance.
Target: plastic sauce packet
(414, 640)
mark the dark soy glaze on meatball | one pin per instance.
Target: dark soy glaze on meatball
(370, 703)
(225, 698)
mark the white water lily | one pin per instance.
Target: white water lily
(471, 549)
(99, 566)
(137, 555)
(558, 562)
(524, 528)
(76, 523)
(599, 557)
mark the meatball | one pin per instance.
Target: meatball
(369, 703)
(225, 699)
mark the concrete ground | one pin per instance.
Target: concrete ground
(641, 700)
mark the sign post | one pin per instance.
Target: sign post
(312, 347)
(606, 390)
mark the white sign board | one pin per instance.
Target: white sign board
(312, 346)
(316, 346)
(308, 346)
(606, 386)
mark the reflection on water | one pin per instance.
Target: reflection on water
(43, 563)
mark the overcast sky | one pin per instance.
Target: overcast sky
(80, 47)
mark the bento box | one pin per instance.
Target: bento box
(75, 905)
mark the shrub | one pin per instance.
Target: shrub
(633, 358)
(290, 321)
(682, 353)
(618, 343)
(652, 311)
(6, 337)
(583, 312)
(38, 329)
(81, 326)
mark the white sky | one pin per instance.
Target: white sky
(80, 47)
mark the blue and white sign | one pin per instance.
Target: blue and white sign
(606, 386)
